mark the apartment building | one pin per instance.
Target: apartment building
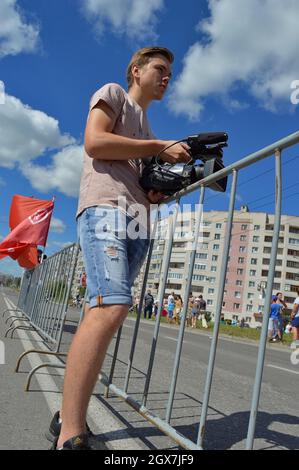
(249, 259)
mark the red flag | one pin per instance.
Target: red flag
(29, 220)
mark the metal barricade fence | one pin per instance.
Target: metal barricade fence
(43, 301)
(23, 297)
(164, 424)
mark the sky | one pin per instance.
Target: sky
(236, 70)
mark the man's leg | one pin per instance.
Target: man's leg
(84, 363)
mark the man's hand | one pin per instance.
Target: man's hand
(155, 197)
(178, 153)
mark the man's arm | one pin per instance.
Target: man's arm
(100, 143)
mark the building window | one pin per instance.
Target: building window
(277, 273)
(253, 261)
(254, 249)
(237, 294)
(218, 225)
(293, 253)
(216, 247)
(241, 260)
(213, 269)
(251, 284)
(202, 255)
(252, 272)
(211, 291)
(217, 236)
(202, 267)
(256, 239)
(214, 257)
(203, 246)
(210, 302)
(242, 249)
(240, 271)
(250, 295)
(294, 241)
(249, 308)
(243, 238)
(244, 227)
(236, 306)
(256, 227)
(239, 283)
(294, 229)
(248, 319)
(289, 300)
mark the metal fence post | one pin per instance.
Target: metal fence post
(271, 274)
(213, 349)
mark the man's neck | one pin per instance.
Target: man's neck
(136, 94)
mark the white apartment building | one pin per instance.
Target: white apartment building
(249, 259)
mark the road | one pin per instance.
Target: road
(122, 428)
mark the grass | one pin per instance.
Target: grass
(232, 331)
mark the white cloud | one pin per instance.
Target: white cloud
(63, 174)
(57, 225)
(134, 18)
(15, 34)
(254, 44)
(26, 134)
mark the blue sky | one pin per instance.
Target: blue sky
(233, 71)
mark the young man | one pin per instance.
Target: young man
(117, 138)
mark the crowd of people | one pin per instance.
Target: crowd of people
(277, 325)
(172, 309)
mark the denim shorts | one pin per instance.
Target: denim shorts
(111, 258)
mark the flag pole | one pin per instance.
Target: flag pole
(44, 247)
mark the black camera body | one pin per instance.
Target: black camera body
(169, 179)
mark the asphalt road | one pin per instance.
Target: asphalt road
(119, 427)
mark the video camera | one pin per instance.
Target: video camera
(170, 178)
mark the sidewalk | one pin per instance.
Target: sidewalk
(25, 416)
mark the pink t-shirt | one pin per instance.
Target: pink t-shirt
(103, 181)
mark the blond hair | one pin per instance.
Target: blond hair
(143, 56)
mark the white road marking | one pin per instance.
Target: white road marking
(283, 368)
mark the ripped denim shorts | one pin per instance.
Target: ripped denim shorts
(111, 258)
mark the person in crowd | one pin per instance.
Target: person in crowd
(148, 305)
(274, 331)
(295, 320)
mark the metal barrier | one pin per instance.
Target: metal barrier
(24, 292)
(43, 302)
(274, 149)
